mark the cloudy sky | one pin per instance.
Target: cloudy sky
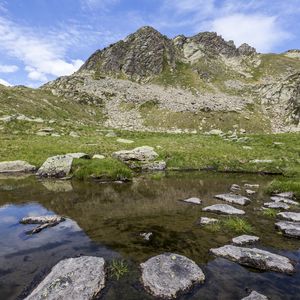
(43, 39)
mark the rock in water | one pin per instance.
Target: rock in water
(290, 216)
(235, 199)
(255, 296)
(255, 258)
(290, 229)
(193, 200)
(207, 221)
(56, 166)
(17, 166)
(276, 205)
(167, 274)
(284, 200)
(245, 239)
(288, 195)
(73, 278)
(42, 220)
(224, 209)
(235, 188)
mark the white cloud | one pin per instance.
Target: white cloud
(42, 56)
(259, 31)
(8, 68)
(4, 82)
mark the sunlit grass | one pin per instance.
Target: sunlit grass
(118, 268)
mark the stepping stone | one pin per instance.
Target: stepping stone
(235, 188)
(17, 166)
(290, 229)
(245, 239)
(290, 216)
(193, 201)
(255, 258)
(78, 155)
(73, 278)
(207, 221)
(255, 296)
(168, 274)
(56, 166)
(284, 200)
(276, 205)
(235, 199)
(224, 209)
(289, 195)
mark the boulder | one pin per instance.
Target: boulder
(168, 274)
(17, 166)
(224, 209)
(78, 155)
(245, 239)
(255, 296)
(193, 200)
(73, 278)
(255, 258)
(290, 229)
(207, 221)
(284, 200)
(142, 154)
(56, 166)
(290, 216)
(276, 205)
(235, 199)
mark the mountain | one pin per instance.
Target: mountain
(149, 82)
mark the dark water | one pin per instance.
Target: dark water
(107, 219)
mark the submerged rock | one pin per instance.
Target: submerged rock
(276, 205)
(224, 209)
(73, 278)
(167, 274)
(232, 198)
(290, 216)
(56, 166)
(290, 229)
(193, 200)
(255, 296)
(245, 239)
(17, 166)
(255, 258)
(207, 221)
(284, 200)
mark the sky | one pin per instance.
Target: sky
(41, 40)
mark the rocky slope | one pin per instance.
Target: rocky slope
(150, 82)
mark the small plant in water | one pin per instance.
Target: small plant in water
(118, 268)
(237, 225)
(269, 212)
(215, 227)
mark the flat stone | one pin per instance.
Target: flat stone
(17, 166)
(193, 200)
(245, 239)
(255, 258)
(124, 141)
(284, 200)
(56, 166)
(42, 219)
(98, 156)
(207, 221)
(235, 199)
(276, 205)
(290, 216)
(255, 296)
(168, 274)
(290, 229)
(78, 155)
(224, 209)
(143, 154)
(73, 278)
(289, 195)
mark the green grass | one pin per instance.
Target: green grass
(269, 212)
(118, 268)
(285, 185)
(237, 225)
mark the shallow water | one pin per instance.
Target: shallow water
(107, 219)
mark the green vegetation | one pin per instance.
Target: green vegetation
(269, 212)
(118, 268)
(237, 225)
(286, 185)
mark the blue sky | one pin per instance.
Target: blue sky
(43, 39)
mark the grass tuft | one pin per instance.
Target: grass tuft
(118, 268)
(269, 212)
(237, 225)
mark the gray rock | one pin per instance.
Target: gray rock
(284, 200)
(154, 166)
(193, 200)
(143, 154)
(207, 221)
(289, 195)
(235, 188)
(79, 278)
(232, 198)
(78, 155)
(290, 216)
(251, 186)
(250, 192)
(224, 209)
(167, 274)
(125, 141)
(98, 156)
(17, 166)
(255, 296)
(56, 166)
(255, 258)
(290, 229)
(42, 219)
(276, 205)
(146, 235)
(245, 239)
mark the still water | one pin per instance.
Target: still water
(107, 219)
